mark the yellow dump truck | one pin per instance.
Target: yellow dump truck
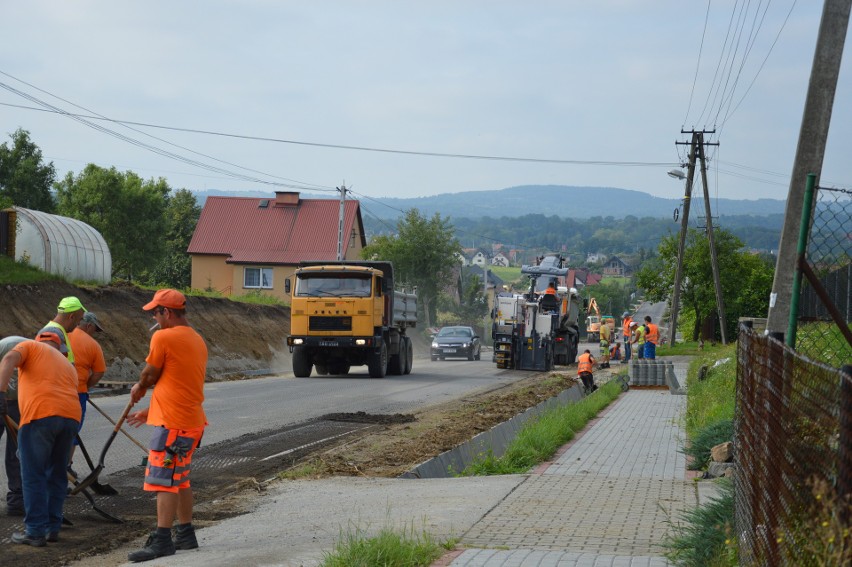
(345, 314)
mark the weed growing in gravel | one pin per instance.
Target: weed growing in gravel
(389, 548)
(540, 438)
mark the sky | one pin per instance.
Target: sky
(552, 85)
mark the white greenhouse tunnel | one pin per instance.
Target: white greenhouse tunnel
(62, 246)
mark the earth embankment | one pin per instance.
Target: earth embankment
(240, 336)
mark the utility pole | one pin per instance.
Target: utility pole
(342, 190)
(809, 152)
(714, 258)
(696, 152)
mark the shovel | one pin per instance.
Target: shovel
(112, 421)
(13, 435)
(93, 476)
(97, 487)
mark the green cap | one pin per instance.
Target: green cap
(69, 305)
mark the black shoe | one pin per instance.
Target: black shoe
(14, 511)
(26, 539)
(52, 537)
(185, 537)
(156, 546)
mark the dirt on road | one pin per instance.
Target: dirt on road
(244, 337)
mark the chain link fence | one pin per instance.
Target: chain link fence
(793, 437)
(829, 256)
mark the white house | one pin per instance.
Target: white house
(500, 260)
(479, 259)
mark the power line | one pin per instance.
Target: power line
(698, 64)
(164, 153)
(361, 148)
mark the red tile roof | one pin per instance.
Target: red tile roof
(239, 228)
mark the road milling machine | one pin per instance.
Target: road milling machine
(535, 330)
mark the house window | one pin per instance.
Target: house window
(257, 278)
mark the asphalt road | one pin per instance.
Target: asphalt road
(239, 408)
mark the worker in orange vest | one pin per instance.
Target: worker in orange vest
(652, 337)
(585, 363)
(626, 319)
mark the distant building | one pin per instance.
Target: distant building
(499, 260)
(479, 259)
(595, 258)
(244, 244)
(615, 266)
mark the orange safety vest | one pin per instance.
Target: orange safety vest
(550, 291)
(625, 327)
(584, 363)
(653, 334)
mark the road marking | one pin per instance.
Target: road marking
(312, 443)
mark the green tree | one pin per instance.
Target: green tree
(25, 179)
(746, 279)
(175, 268)
(128, 212)
(423, 253)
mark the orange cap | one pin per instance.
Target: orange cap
(47, 336)
(168, 298)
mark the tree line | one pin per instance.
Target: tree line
(146, 224)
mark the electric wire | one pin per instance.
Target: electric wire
(718, 66)
(698, 64)
(366, 148)
(752, 38)
(149, 147)
(765, 59)
(732, 57)
(102, 117)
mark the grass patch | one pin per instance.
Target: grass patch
(704, 538)
(690, 348)
(21, 273)
(824, 343)
(539, 438)
(508, 274)
(311, 469)
(389, 548)
(258, 298)
(712, 399)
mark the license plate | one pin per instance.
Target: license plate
(329, 343)
(449, 350)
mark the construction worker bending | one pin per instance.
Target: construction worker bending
(639, 339)
(585, 363)
(626, 332)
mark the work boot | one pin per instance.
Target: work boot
(27, 539)
(158, 545)
(185, 537)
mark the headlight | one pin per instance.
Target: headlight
(434, 345)
(298, 341)
(360, 342)
(465, 345)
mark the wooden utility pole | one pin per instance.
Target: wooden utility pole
(809, 152)
(696, 153)
(341, 219)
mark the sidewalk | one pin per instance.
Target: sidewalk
(606, 499)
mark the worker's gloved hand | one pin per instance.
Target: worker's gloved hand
(2, 404)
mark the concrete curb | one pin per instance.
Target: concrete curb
(495, 440)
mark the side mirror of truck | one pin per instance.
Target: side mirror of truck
(287, 286)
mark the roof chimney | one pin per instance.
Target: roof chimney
(286, 198)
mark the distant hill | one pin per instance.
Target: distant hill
(559, 200)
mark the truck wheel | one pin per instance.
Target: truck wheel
(322, 369)
(378, 362)
(396, 362)
(302, 363)
(409, 358)
(336, 368)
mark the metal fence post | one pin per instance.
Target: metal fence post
(804, 229)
